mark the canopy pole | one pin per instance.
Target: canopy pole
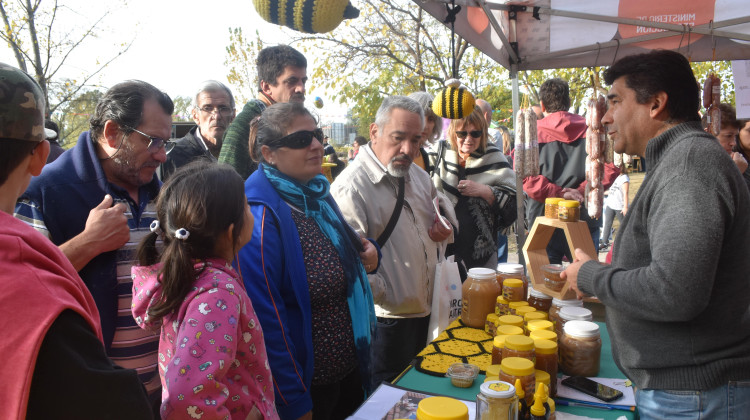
(520, 212)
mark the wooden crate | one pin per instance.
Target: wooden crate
(535, 250)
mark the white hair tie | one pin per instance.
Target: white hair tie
(181, 234)
(155, 226)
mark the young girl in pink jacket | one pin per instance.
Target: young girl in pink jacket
(212, 359)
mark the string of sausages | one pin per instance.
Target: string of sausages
(599, 150)
(526, 157)
(711, 99)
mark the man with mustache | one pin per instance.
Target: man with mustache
(96, 202)
(282, 74)
(366, 191)
(213, 112)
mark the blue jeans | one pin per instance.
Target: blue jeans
(502, 248)
(731, 401)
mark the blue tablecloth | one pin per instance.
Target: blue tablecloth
(416, 380)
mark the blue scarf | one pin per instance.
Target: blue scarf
(311, 199)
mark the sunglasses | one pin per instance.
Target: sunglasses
(473, 133)
(298, 139)
(154, 143)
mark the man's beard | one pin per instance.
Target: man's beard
(397, 170)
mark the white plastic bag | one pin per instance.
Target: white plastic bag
(446, 297)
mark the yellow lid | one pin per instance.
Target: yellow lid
(523, 310)
(510, 320)
(492, 318)
(534, 316)
(442, 408)
(542, 377)
(540, 324)
(553, 200)
(493, 370)
(513, 282)
(499, 341)
(509, 330)
(543, 335)
(501, 299)
(517, 366)
(569, 203)
(542, 346)
(516, 305)
(519, 342)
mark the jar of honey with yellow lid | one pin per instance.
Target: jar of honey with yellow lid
(497, 349)
(513, 290)
(509, 330)
(540, 324)
(543, 335)
(550, 207)
(510, 320)
(523, 310)
(534, 316)
(442, 408)
(518, 346)
(569, 211)
(546, 360)
(490, 325)
(514, 368)
(515, 305)
(501, 306)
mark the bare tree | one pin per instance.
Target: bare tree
(40, 49)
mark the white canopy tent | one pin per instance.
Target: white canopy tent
(545, 34)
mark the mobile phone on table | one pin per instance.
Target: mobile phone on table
(593, 388)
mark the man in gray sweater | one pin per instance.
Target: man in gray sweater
(678, 290)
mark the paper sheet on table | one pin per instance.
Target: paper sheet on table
(387, 397)
(628, 397)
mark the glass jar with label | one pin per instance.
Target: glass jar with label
(480, 292)
(513, 290)
(510, 320)
(580, 349)
(490, 325)
(513, 271)
(546, 360)
(497, 349)
(550, 207)
(539, 300)
(497, 401)
(555, 309)
(518, 346)
(512, 306)
(552, 276)
(522, 369)
(568, 210)
(501, 306)
(442, 408)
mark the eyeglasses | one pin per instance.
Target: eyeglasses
(224, 111)
(154, 143)
(298, 139)
(473, 133)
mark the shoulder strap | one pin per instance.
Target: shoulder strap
(383, 238)
(440, 151)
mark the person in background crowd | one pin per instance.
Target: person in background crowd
(52, 132)
(108, 185)
(743, 147)
(433, 128)
(676, 295)
(730, 130)
(480, 184)
(562, 165)
(367, 193)
(306, 271)
(616, 203)
(495, 135)
(538, 111)
(51, 329)
(282, 75)
(358, 141)
(212, 355)
(213, 111)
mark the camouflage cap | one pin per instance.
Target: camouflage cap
(21, 105)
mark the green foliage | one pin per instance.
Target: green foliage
(240, 58)
(723, 69)
(74, 115)
(183, 106)
(583, 82)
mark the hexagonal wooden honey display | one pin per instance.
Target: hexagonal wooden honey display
(535, 250)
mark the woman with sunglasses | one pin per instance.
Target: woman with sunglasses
(306, 271)
(479, 182)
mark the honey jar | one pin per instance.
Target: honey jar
(492, 372)
(501, 306)
(513, 271)
(513, 290)
(543, 335)
(541, 324)
(509, 330)
(554, 310)
(539, 300)
(515, 305)
(518, 346)
(442, 408)
(480, 292)
(568, 210)
(552, 278)
(580, 349)
(490, 325)
(497, 349)
(522, 369)
(510, 320)
(546, 360)
(531, 317)
(550, 207)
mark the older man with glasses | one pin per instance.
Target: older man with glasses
(213, 112)
(96, 202)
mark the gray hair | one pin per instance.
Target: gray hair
(425, 99)
(397, 102)
(213, 86)
(484, 106)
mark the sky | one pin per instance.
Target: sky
(176, 44)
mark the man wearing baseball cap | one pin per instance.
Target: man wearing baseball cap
(55, 363)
